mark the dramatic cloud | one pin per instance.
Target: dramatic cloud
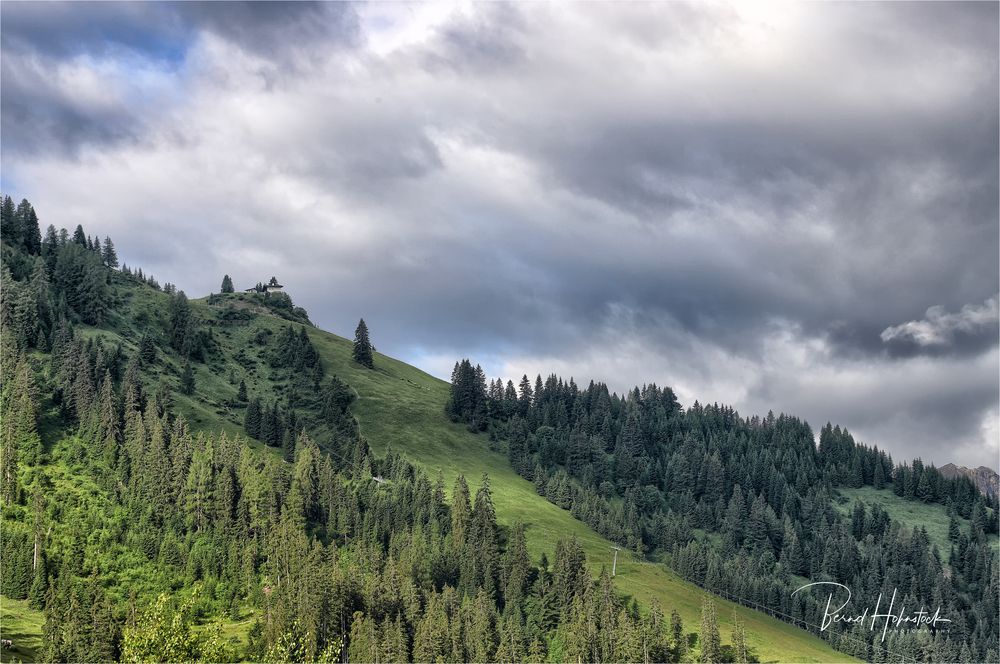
(744, 201)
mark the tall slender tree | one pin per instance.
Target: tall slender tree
(108, 253)
(709, 640)
(363, 354)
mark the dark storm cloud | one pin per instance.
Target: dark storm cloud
(756, 204)
(37, 114)
(163, 30)
(40, 40)
(488, 41)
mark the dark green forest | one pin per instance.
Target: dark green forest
(744, 506)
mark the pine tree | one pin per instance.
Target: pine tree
(741, 653)
(924, 490)
(878, 480)
(108, 253)
(515, 566)
(711, 644)
(9, 229)
(241, 394)
(362, 346)
(79, 237)
(251, 420)
(227, 284)
(147, 349)
(678, 639)
(181, 323)
(485, 553)
(461, 513)
(32, 236)
(19, 439)
(187, 378)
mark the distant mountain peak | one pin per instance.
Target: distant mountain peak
(985, 479)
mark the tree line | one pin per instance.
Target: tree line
(744, 505)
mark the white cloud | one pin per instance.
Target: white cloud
(939, 327)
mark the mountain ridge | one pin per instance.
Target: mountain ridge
(985, 478)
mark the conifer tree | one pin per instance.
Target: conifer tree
(708, 640)
(108, 253)
(79, 237)
(147, 349)
(241, 394)
(363, 347)
(227, 284)
(8, 229)
(741, 653)
(187, 378)
(461, 513)
(251, 420)
(31, 236)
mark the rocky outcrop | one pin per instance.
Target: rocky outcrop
(985, 479)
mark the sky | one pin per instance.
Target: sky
(787, 207)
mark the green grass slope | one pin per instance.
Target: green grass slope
(403, 407)
(22, 625)
(912, 513)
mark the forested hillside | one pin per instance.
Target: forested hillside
(195, 479)
(186, 480)
(748, 506)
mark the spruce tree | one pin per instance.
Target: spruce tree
(709, 640)
(31, 234)
(7, 221)
(187, 378)
(363, 347)
(108, 253)
(227, 284)
(741, 652)
(79, 237)
(678, 639)
(251, 420)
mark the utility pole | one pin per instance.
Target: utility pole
(614, 565)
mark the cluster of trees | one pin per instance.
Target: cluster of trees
(185, 334)
(138, 276)
(293, 350)
(272, 425)
(20, 226)
(467, 400)
(46, 279)
(280, 426)
(324, 402)
(848, 464)
(646, 473)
